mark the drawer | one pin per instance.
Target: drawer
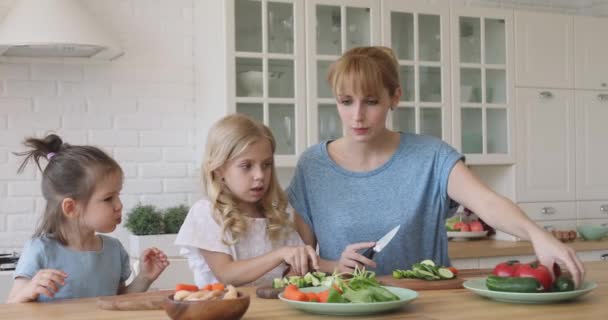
(558, 224)
(592, 209)
(593, 221)
(598, 255)
(541, 211)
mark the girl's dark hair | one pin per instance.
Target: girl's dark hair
(71, 172)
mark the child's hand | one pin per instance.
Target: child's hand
(300, 258)
(152, 263)
(46, 282)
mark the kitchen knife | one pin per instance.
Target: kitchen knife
(380, 244)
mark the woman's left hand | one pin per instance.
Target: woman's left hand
(549, 250)
(152, 263)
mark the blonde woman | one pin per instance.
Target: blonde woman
(352, 190)
(243, 232)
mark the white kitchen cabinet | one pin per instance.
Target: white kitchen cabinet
(265, 65)
(547, 211)
(595, 255)
(591, 150)
(593, 210)
(419, 34)
(590, 52)
(482, 84)
(544, 46)
(546, 145)
(333, 27)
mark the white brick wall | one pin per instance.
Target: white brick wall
(139, 108)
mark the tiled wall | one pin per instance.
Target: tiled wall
(139, 108)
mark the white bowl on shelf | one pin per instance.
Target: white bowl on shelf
(251, 83)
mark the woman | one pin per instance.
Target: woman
(354, 189)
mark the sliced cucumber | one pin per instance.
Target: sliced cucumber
(428, 262)
(445, 273)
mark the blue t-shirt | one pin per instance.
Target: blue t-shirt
(343, 207)
(90, 273)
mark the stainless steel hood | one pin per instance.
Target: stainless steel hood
(55, 29)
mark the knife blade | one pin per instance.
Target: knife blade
(380, 244)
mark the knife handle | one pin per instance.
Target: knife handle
(369, 253)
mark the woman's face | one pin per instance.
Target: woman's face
(364, 116)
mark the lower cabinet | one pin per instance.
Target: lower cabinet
(491, 262)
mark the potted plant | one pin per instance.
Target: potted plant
(151, 227)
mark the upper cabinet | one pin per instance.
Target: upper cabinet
(546, 145)
(591, 151)
(482, 82)
(265, 49)
(590, 53)
(544, 50)
(419, 35)
(333, 27)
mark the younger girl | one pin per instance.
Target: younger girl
(66, 258)
(242, 233)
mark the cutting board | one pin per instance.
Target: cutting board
(419, 284)
(151, 300)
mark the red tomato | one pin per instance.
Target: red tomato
(537, 271)
(506, 269)
(459, 225)
(476, 226)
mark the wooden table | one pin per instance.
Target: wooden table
(433, 304)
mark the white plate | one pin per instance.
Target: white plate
(352, 309)
(465, 235)
(479, 287)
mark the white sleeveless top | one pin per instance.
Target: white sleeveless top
(200, 231)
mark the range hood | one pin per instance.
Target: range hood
(55, 29)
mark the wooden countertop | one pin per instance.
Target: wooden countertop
(498, 248)
(431, 304)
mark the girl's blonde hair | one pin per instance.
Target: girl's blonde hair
(227, 139)
(71, 172)
(365, 70)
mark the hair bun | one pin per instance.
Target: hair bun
(53, 143)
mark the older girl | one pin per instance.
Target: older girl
(242, 233)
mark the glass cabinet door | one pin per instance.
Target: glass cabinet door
(483, 72)
(268, 67)
(334, 26)
(419, 36)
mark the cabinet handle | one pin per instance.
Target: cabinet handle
(604, 208)
(545, 95)
(604, 257)
(602, 97)
(548, 210)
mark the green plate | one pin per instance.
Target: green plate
(478, 286)
(351, 309)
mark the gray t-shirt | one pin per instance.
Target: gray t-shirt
(90, 273)
(344, 207)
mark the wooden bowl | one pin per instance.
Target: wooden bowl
(231, 309)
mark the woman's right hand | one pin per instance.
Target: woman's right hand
(46, 282)
(351, 257)
(300, 258)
